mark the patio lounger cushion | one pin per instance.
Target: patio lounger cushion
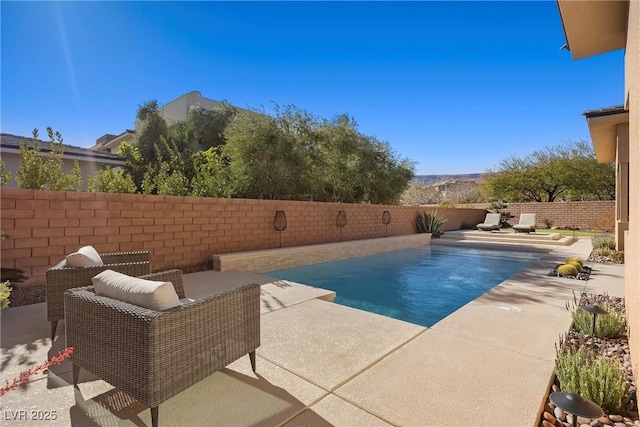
(491, 222)
(155, 295)
(527, 223)
(86, 256)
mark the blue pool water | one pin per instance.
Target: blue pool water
(421, 286)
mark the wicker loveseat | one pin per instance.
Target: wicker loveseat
(154, 355)
(59, 278)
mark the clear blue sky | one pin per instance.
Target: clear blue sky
(455, 86)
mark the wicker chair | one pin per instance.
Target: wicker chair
(154, 355)
(59, 278)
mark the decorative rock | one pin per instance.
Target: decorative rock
(570, 418)
(585, 425)
(546, 423)
(620, 425)
(547, 416)
(583, 420)
(559, 413)
(595, 423)
(605, 420)
(616, 418)
(555, 388)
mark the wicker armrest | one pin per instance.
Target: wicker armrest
(153, 355)
(59, 278)
(125, 257)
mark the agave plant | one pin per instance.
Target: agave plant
(430, 222)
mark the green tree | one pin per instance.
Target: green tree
(38, 171)
(135, 166)
(207, 126)
(565, 172)
(5, 175)
(264, 161)
(152, 128)
(386, 175)
(111, 181)
(211, 174)
(166, 174)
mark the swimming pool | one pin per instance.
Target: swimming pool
(421, 286)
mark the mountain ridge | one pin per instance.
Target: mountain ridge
(436, 179)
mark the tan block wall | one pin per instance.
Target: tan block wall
(178, 231)
(584, 215)
(284, 258)
(632, 236)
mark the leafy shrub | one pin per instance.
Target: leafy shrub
(596, 378)
(5, 175)
(40, 171)
(548, 223)
(603, 241)
(430, 222)
(109, 181)
(5, 292)
(565, 270)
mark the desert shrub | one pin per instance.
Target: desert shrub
(430, 222)
(603, 241)
(603, 251)
(612, 325)
(594, 377)
(567, 270)
(577, 265)
(548, 223)
(576, 260)
(468, 226)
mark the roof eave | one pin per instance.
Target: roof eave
(604, 134)
(594, 27)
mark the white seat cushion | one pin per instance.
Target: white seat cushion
(86, 256)
(145, 293)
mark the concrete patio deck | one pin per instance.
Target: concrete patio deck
(322, 364)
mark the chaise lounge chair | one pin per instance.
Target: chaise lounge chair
(527, 223)
(491, 222)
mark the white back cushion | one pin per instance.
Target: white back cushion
(145, 293)
(86, 256)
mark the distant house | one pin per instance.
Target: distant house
(90, 161)
(173, 111)
(179, 108)
(111, 143)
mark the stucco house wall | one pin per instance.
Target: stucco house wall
(592, 28)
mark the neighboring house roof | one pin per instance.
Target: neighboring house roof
(11, 144)
(603, 124)
(111, 143)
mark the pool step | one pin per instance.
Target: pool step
(554, 239)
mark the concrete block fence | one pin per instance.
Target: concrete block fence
(44, 226)
(584, 215)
